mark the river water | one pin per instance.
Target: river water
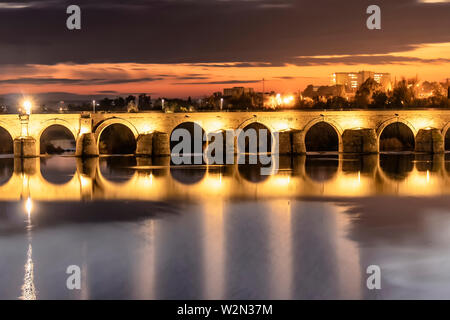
(142, 229)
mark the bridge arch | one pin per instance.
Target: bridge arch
(123, 143)
(334, 125)
(254, 119)
(106, 123)
(446, 134)
(6, 141)
(48, 123)
(9, 129)
(403, 122)
(388, 122)
(192, 127)
(66, 134)
(256, 125)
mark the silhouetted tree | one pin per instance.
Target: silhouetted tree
(402, 95)
(309, 92)
(119, 103)
(145, 102)
(379, 99)
(130, 98)
(364, 94)
(106, 103)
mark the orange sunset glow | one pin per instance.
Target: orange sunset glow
(428, 61)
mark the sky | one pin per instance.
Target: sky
(181, 48)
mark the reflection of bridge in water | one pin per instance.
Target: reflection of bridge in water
(154, 179)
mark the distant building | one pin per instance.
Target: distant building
(237, 92)
(352, 81)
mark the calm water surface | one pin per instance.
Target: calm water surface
(139, 228)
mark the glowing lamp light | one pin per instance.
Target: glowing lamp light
(27, 106)
(288, 100)
(215, 126)
(84, 130)
(24, 131)
(423, 123)
(146, 129)
(282, 126)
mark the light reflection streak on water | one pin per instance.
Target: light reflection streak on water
(280, 242)
(146, 265)
(28, 288)
(214, 249)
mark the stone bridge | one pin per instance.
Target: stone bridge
(357, 131)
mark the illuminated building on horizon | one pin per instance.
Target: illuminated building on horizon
(353, 80)
(237, 91)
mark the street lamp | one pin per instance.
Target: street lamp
(221, 104)
(93, 105)
(27, 106)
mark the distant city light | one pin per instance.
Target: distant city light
(281, 101)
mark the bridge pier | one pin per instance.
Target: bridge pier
(86, 146)
(430, 141)
(25, 147)
(284, 142)
(298, 142)
(144, 144)
(291, 142)
(360, 141)
(160, 144)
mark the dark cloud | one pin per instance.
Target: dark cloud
(55, 97)
(240, 65)
(192, 77)
(209, 31)
(219, 82)
(357, 59)
(291, 78)
(108, 92)
(82, 82)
